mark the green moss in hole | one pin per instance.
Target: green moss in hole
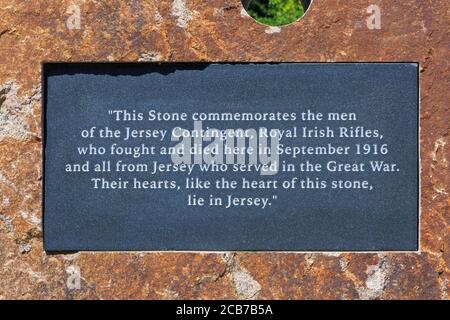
(275, 12)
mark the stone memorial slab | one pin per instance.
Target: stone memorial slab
(287, 156)
(34, 34)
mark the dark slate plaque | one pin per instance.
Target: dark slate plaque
(347, 161)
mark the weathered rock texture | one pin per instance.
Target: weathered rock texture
(32, 32)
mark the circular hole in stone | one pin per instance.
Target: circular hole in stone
(276, 12)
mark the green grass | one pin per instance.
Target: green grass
(275, 12)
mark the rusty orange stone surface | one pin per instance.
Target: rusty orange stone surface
(32, 32)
